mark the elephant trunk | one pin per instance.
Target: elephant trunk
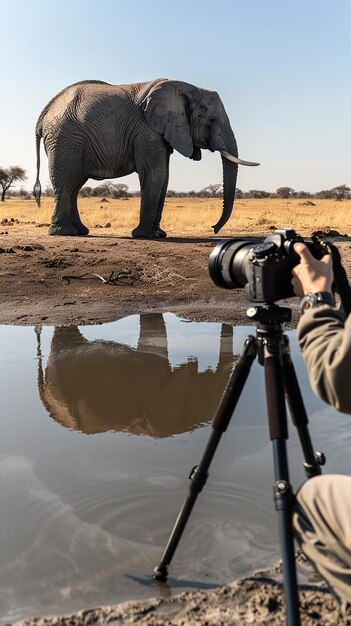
(230, 172)
(230, 163)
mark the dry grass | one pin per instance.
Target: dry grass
(194, 216)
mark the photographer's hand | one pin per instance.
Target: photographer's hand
(311, 275)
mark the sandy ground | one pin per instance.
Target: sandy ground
(255, 600)
(170, 274)
(55, 281)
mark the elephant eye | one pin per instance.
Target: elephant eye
(212, 120)
(202, 111)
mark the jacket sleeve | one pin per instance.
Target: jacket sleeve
(324, 337)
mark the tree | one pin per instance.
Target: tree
(85, 192)
(342, 192)
(257, 193)
(212, 191)
(284, 192)
(101, 190)
(325, 194)
(9, 176)
(119, 190)
(302, 194)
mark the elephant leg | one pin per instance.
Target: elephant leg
(60, 220)
(73, 211)
(160, 232)
(64, 182)
(153, 176)
(151, 192)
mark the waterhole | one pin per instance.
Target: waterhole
(100, 427)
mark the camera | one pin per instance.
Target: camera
(263, 270)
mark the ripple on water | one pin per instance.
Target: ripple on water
(85, 518)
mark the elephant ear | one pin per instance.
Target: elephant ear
(166, 112)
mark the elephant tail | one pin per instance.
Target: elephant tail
(37, 186)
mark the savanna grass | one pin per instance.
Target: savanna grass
(194, 216)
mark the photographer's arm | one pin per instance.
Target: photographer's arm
(323, 334)
(325, 342)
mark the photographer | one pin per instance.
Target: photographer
(322, 517)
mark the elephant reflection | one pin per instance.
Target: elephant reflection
(98, 386)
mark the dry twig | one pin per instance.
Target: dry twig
(111, 280)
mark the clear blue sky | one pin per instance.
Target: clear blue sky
(281, 68)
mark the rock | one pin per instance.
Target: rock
(328, 232)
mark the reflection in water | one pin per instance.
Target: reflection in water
(98, 386)
(84, 520)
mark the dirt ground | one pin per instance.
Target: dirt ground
(55, 281)
(169, 274)
(256, 600)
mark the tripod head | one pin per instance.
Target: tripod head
(272, 314)
(269, 332)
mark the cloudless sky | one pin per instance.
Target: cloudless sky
(281, 68)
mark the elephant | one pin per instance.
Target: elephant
(93, 129)
(99, 386)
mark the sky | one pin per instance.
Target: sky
(282, 70)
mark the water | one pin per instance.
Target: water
(100, 427)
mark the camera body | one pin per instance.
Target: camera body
(263, 270)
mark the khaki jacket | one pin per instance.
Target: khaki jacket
(324, 337)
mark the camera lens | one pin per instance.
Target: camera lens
(227, 263)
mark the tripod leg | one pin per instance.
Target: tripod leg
(313, 461)
(278, 430)
(199, 473)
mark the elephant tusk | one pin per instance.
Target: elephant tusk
(234, 159)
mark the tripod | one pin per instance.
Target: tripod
(271, 347)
